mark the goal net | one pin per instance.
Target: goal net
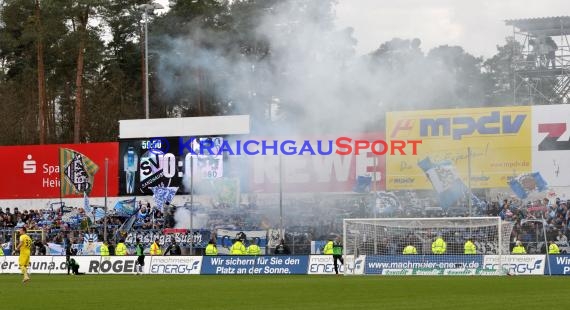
(428, 246)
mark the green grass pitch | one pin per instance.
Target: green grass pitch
(281, 292)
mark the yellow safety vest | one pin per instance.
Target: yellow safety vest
(438, 246)
(155, 249)
(121, 249)
(410, 249)
(470, 248)
(238, 249)
(553, 249)
(211, 249)
(254, 249)
(104, 250)
(519, 249)
(1, 252)
(328, 249)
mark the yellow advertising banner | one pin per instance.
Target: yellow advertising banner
(499, 140)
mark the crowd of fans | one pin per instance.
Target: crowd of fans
(305, 221)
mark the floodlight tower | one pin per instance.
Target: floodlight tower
(541, 70)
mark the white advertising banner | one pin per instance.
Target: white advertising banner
(551, 143)
(38, 264)
(175, 264)
(324, 264)
(110, 264)
(517, 264)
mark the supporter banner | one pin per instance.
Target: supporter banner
(38, 264)
(499, 139)
(559, 264)
(175, 264)
(168, 162)
(517, 264)
(225, 239)
(33, 171)
(551, 143)
(422, 264)
(319, 173)
(323, 264)
(254, 264)
(199, 238)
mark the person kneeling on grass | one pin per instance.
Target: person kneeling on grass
(74, 267)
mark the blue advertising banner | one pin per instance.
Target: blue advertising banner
(254, 264)
(559, 264)
(423, 264)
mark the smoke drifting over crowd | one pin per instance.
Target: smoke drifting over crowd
(307, 82)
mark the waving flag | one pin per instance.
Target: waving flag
(76, 172)
(444, 180)
(125, 207)
(163, 195)
(524, 184)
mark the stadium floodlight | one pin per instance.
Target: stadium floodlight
(382, 242)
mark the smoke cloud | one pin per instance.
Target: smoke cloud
(311, 83)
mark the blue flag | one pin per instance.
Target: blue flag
(163, 195)
(125, 207)
(525, 184)
(444, 180)
(99, 212)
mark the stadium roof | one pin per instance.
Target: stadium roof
(548, 26)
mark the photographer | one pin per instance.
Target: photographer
(173, 249)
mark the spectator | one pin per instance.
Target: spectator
(561, 238)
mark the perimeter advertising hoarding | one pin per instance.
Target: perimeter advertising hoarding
(499, 140)
(237, 264)
(551, 143)
(32, 171)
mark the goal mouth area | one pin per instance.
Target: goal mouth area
(438, 246)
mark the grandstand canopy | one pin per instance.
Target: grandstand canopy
(548, 26)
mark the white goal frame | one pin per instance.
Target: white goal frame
(501, 250)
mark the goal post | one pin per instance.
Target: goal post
(428, 246)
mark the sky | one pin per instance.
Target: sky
(476, 25)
